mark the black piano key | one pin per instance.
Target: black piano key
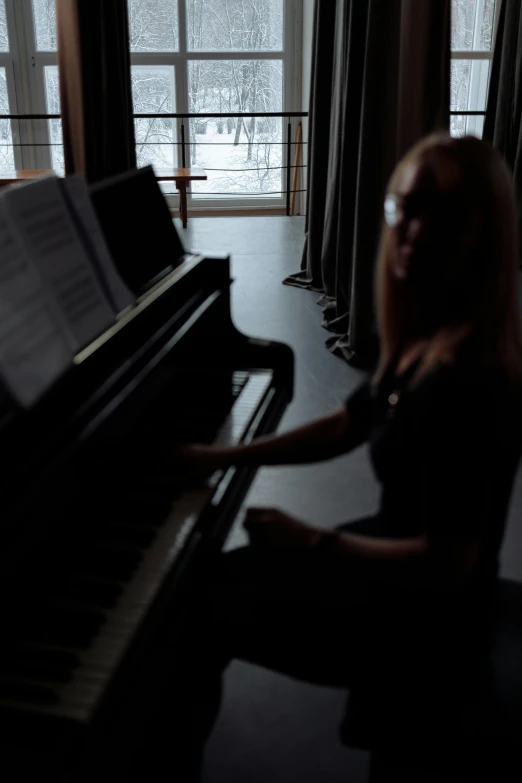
(68, 626)
(38, 670)
(26, 691)
(139, 513)
(111, 561)
(121, 533)
(63, 659)
(103, 594)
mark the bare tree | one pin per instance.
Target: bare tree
(45, 25)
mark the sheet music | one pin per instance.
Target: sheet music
(41, 219)
(34, 351)
(77, 192)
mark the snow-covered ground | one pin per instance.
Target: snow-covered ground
(230, 172)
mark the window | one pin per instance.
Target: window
(29, 85)
(187, 56)
(473, 30)
(7, 93)
(212, 57)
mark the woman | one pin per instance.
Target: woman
(410, 589)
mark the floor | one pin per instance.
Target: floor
(272, 729)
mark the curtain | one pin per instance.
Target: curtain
(503, 122)
(95, 87)
(380, 81)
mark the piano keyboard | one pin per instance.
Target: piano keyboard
(64, 666)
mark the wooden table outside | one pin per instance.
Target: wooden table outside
(182, 177)
(25, 175)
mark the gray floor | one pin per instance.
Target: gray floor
(272, 729)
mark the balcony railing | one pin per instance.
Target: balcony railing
(249, 157)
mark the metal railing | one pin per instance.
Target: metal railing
(288, 165)
(187, 146)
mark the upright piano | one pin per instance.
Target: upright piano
(104, 532)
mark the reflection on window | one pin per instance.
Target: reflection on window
(4, 36)
(153, 92)
(52, 95)
(256, 26)
(472, 25)
(45, 25)
(6, 139)
(240, 156)
(153, 25)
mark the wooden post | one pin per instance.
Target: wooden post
(183, 212)
(296, 165)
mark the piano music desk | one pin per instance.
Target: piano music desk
(182, 178)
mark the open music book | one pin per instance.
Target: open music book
(59, 288)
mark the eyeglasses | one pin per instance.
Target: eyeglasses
(418, 205)
(392, 209)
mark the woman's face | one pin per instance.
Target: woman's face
(421, 213)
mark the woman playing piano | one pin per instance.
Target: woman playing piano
(405, 596)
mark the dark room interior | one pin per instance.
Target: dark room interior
(261, 391)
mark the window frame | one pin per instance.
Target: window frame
(474, 55)
(27, 87)
(11, 61)
(25, 69)
(291, 58)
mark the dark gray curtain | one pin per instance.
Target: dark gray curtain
(380, 81)
(95, 87)
(503, 125)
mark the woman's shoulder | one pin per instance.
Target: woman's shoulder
(467, 388)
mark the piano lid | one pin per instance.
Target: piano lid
(138, 226)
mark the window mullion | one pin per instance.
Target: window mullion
(469, 55)
(245, 54)
(182, 85)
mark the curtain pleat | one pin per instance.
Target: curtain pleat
(380, 82)
(95, 87)
(503, 124)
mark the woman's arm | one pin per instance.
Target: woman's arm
(274, 528)
(452, 564)
(357, 547)
(322, 439)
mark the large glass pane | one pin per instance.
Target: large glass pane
(52, 97)
(242, 157)
(153, 92)
(154, 25)
(472, 24)
(469, 85)
(462, 125)
(4, 36)
(235, 25)
(45, 25)
(6, 138)
(469, 91)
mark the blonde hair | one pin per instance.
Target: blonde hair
(484, 280)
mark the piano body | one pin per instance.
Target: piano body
(103, 536)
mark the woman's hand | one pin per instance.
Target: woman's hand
(272, 528)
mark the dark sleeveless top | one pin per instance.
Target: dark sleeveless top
(445, 452)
